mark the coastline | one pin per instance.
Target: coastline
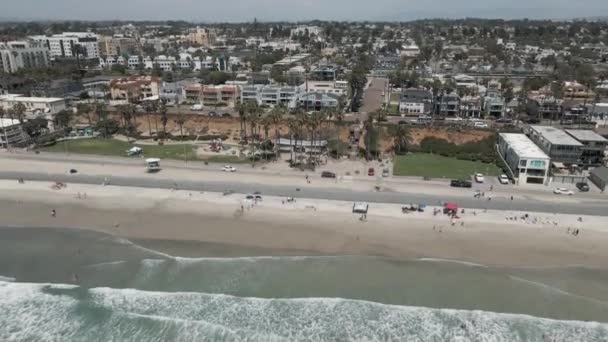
(318, 227)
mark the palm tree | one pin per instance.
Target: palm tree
(19, 110)
(292, 124)
(401, 138)
(369, 131)
(242, 109)
(150, 107)
(276, 116)
(315, 121)
(163, 118)
(254, 118)
(180, 121)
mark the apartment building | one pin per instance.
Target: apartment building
(527, 162)
(339, 88)
(135, 88)
(11, 131)
(494, 106)
(557, 144)
(193, 92)
(220, 94)
(17, 55)
(317, 101)
(33, 105)
(112, 46)
(65, 44)
(202, 36)
(594, 146)
(271, 95)
(470, 107)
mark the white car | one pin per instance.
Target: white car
(197, 107)
(503, 179)
(479, 178)
(228, 168)
(563, 191)
(479, 124)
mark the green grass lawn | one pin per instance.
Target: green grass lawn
(112, 147)
(436, 166)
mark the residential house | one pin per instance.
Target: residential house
(575, 91)
(271, 95)
(447, 105)
(470, 106)
(220, 95)
(415, 101)
(339, 88)
(317, 101)
(193, 92)
(34, 105)
(526, 161)
(324, 73)
(494, 106)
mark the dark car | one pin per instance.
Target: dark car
(226, 115)
(327, 174)
(582, 186)
(461, 183)
(213, 114)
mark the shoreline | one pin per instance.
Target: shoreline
(319, 227)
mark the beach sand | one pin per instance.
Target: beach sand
(306, 227)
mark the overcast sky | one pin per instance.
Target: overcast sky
(274, 10)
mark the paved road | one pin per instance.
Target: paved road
(372, 98)
(589, 207)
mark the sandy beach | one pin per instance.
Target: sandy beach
(325, 227)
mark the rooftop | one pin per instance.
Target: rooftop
(555, 136)
(6, 122)
(21, 98)
(586, 135)
(523, 146)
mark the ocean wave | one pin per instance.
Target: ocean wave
(6, 279)
(453, 261)
(53, 312)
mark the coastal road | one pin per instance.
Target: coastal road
(580, 207)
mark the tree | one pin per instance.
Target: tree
(19, 111)
(241, 108)
(401, 138)
(276, 117)
(371, 136)
(150, 107)
(62, 118)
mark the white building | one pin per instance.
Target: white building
(410, 50)
(17, 55)
(303, 29)
(271, 95)
(133, 62)
(339, 88)
(33, 105)
(528, 163)
(64, 45)
(10, 129)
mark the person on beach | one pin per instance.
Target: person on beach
(53, 213)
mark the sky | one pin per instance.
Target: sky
(294, 10)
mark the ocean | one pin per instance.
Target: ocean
(77, 285)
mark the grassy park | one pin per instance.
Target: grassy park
(113, 147)
(436, 166)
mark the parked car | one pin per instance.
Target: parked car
(371, 171)
(479, 178)
(461, 183)
(327, 174)
(503, 179)
(582, 186)
(228, 168)
(197, 107)
(479, 124)
(226, 115)
(249, 197)
(385, 173)
(213, 113)
(563, 191)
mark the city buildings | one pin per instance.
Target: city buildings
(135, 88)
(594, 146)
(65, 44)
(113, 46)
(557, 144)
(527, 162)
(17, 55)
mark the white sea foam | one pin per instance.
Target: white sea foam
(58, 312)
(453, 261)
(3, 278)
